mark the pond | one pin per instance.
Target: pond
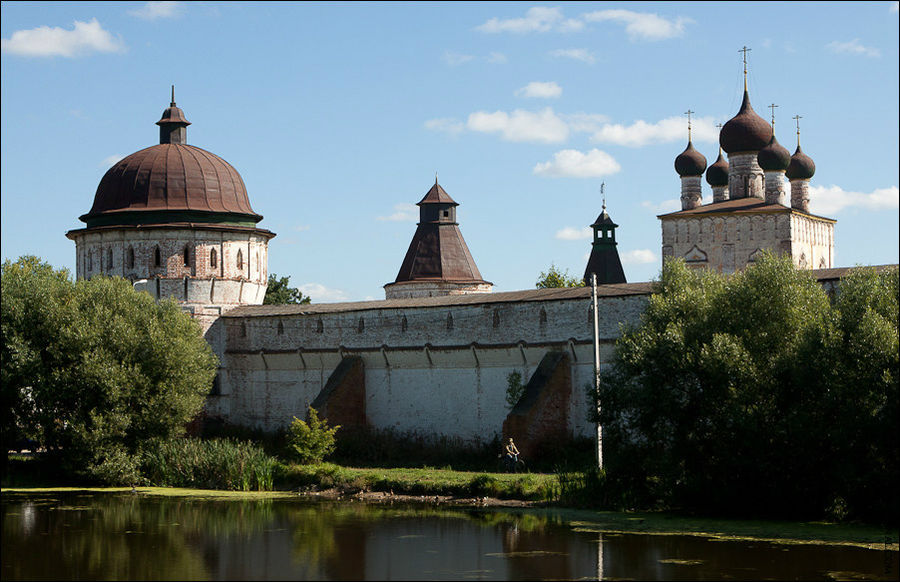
(128, 536)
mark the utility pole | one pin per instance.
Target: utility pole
(597, 368)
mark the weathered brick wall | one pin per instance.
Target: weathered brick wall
(541, 416)
(212, 276)
(434, 371)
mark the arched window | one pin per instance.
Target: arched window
(213, 258)
(90, 261)
(240, 259)
(187, 256)
(130, 257)
(157, 257)
(109, 259)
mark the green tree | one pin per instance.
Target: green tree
(554, 278)
(753, 392)
(312, 440)
(279, 292)
(93, 369)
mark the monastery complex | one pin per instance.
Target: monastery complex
(434, 358)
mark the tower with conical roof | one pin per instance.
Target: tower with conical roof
(604, 261)
(176, 220)
(438, 261)
(749, 212)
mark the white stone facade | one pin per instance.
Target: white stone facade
(432, 370)
(729, 242)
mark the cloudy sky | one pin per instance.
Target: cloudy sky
(338, 116)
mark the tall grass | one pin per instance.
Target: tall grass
(211, 464)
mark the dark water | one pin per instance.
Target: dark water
(132, 537)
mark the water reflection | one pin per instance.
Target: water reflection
(132, 537)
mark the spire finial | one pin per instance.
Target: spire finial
(745, 50)
(172, 104)
(689, 113)
(602, 188)
(797, 118)
(435, 177)
(772, 107)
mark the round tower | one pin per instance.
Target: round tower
(717, 178)
(690, 165)
(176, 221)
(774, 160)
(742, 137)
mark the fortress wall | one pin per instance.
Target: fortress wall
(444, 372)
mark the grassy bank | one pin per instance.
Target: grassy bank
(424, 481)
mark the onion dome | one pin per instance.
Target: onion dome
(801, 167)
(717, 174)
(774, 156)
(746, 131)
(690, 162)
(171, 182)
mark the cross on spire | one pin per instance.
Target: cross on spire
(173, 97)
(745, 50)
(602, 187)
(772, 107)
(689, 113)
(797, 118)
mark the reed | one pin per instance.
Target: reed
(208, 464)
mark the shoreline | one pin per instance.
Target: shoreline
(585, 520)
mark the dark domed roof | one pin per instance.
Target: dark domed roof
(801, 167)
(717, 174)
(746, 131)
(690, 162)
(171, 182)
(774, 156)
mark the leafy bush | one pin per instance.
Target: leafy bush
(313, 440)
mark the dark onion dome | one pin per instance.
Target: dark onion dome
(774, 156)
(717, 174)
(746, 131)
(801, 167)
(690, 162)
(171, 182)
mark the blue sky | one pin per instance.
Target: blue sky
(338, 115)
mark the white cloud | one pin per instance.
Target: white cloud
(853, 47)
(575, 164)
(664, 207)
(445, 124)
(576, 54)
(110, 161)
(638, 257)
(895, 6)
(497, 58)
(319, 293)
(456, 59)
(641, 133)
(301, 228)
(829, 200)
(520, 125)
(45, 41)
(405, 212)
(641, 25)
(537, 19)
(586, 122)
(541, 90)
(157, 10)
(574, 233)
